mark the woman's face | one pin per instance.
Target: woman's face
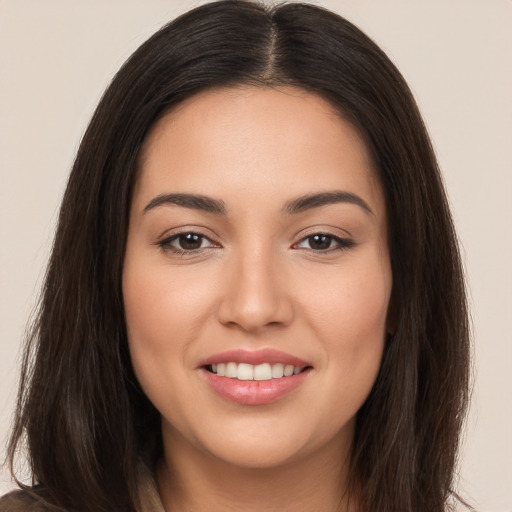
(257, 247)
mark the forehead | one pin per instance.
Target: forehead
(256, 140)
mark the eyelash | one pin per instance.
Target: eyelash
(342, 243)
(165, 244)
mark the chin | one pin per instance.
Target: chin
(257, 455)
(268, 446)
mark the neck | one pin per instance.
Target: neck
(192, 480)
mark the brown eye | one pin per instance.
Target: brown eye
(190, 241)
(186, 242)
(323, 242)
(320, 242)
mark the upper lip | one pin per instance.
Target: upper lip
(254, 357)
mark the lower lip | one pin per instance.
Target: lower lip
(253, 392)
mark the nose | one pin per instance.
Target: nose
(255, 294)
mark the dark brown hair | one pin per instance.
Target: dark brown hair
(88, 427)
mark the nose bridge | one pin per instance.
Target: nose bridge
(255, 295)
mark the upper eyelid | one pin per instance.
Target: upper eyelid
(171, 233)
(344, 242)
(323, 233)
(175, 236)
(325, 229)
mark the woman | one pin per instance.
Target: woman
(255, 299)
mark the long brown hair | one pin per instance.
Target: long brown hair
(88, 426)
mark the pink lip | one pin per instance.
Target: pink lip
(253, 392)
(254, 357)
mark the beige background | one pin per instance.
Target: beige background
(57, 56)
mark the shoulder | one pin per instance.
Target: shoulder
(21, 501)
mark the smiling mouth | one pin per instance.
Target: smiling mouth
(259, 372)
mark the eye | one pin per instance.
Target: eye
(323, 242)
(182, 243)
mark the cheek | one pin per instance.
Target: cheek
(351, 303)
(350, 321)
(156, 319)
(163, 308)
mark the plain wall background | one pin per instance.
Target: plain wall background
(57, 56)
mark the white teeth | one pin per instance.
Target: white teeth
(277, 370)
(264, 371)
(231, 371)
(245, 371)
(288, 370)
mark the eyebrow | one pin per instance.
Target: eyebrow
(310, 201)
(193, 201)
(295, 206)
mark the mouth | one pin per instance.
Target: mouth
(254, 377)
(258, 372)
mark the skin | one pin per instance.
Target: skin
(256, 281)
